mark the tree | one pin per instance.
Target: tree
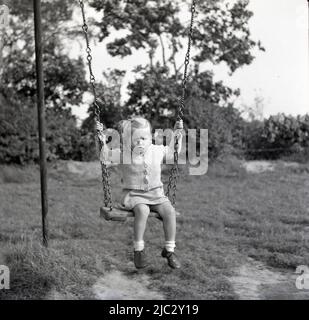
(146, 95)
(224, 124)
(109, 101)
(64, 79)
(221, 35)
(221, 32)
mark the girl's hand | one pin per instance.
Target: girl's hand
(99, 126)
(178, 129)
(102, 137)
(178, 125)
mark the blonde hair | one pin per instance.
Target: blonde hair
(140, 123)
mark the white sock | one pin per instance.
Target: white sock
(170, 246)
(139, 245)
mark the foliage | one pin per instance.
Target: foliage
(201, 111)
(221, 32)
(225, 126)
(64, 77)
(109, 95)
(155, 27)
(277, 136)
(19, 134)
(154, 95)
(221, 35)
(64, 80)
(62, 135)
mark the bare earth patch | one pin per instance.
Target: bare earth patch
(256, 281)
(116, 286)
(86, 170)
(258, 166)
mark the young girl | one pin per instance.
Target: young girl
(142, 187)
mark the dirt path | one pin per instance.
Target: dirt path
(256, 281)
(117, 286)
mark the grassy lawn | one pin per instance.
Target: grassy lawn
(227, 216)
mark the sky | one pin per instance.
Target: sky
(280, 76)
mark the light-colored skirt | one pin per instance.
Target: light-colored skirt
(130, 198)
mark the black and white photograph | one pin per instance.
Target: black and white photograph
(154, 150)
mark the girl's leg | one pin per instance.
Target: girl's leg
(141, 212)
(168, 214)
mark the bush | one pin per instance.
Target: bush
(224, 124)
(278, 136)
(86, 150)
(19, 135)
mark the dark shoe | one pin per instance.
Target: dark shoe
(171, 259)
(140, 259)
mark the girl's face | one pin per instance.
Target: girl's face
(141, 139)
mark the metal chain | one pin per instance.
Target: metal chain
(187, 61)
(105, 174)
(174, 173)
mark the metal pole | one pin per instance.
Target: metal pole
(41, 115)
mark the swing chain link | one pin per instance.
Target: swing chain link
(174, 173)
(96, 108)
(187, 61)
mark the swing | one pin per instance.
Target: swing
(115, 212)
(121, 214)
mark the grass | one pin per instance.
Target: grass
(227, 215)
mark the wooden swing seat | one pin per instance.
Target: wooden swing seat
(120, 214)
